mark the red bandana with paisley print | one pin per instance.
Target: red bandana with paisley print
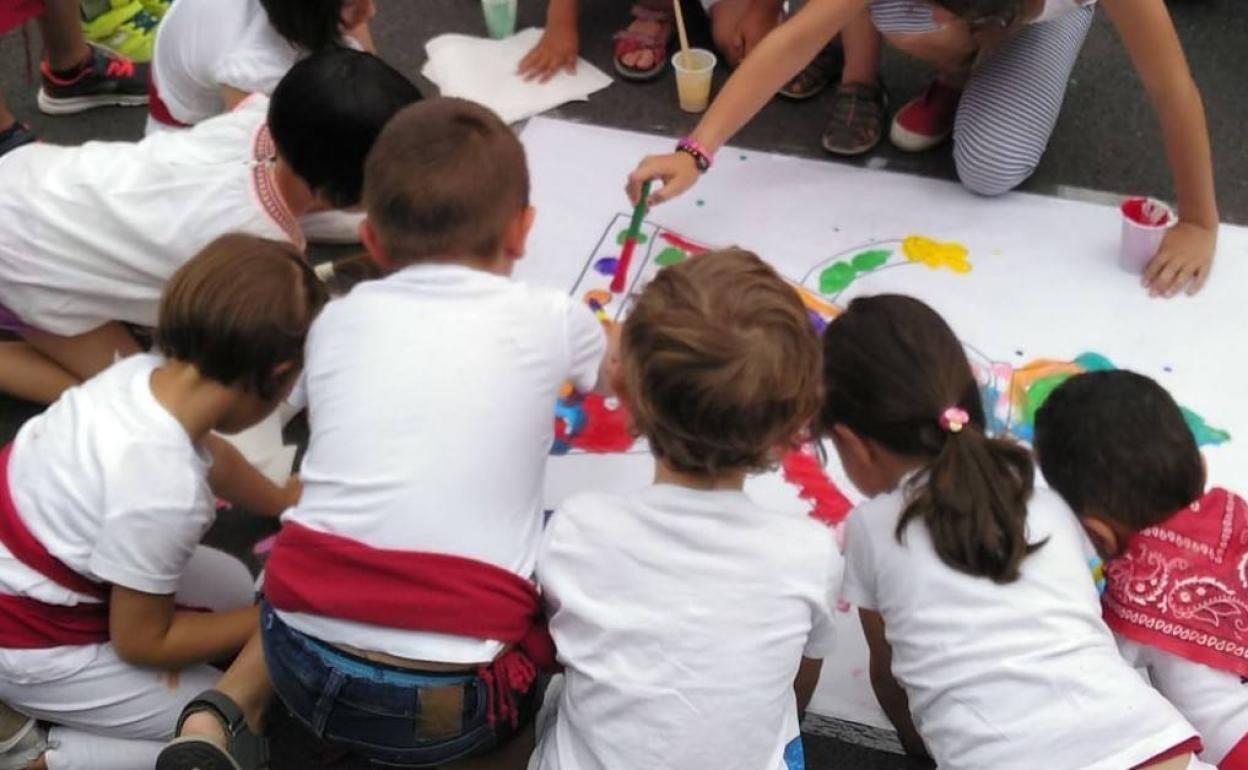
(1182, 586)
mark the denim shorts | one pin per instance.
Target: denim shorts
(394, 717)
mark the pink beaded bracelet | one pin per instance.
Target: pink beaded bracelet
(701, 158)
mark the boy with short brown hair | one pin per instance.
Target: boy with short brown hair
(685, 614)
(404, 573)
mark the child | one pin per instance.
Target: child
(987, 646)
(1005, 66)
(93, 232)
(1116, 447)
(104, 499)
(211, 54)
(684, 614)
(403, 574)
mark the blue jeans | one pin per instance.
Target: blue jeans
(395, 717)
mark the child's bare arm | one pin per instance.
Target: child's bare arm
(804, 685)
(890, 694)
(232, 97)
(776, 59)
(1186, 253)
(234, 479)
(147, 630)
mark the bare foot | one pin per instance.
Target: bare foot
(642, 58)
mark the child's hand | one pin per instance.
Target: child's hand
(557, 50)
(676, 171)
(292, 490)
(1183, 261)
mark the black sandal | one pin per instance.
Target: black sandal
(816, 76)
(244, 749)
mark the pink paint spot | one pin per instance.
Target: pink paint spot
(856, 672)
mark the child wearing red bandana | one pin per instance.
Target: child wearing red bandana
(1116, 447)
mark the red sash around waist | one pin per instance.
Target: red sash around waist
(334, 576)
(27, 623)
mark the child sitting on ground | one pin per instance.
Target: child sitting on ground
(1116, 447)
(684, 613)
(210, 55)
(987, 646)
(403, 576)
(104, 499)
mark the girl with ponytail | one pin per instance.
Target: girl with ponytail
(995, 655)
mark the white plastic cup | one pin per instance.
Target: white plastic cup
(500, 17)
(1142, 234)
(693, 78)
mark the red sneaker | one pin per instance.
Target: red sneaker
(926, 120)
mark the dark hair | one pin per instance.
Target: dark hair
(720, 364)
(239, 308)
(310, 25)
(326, 113)
(1115, 444)
(1004, 12)
(892, 366)
(444, 180)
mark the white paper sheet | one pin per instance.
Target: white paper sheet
(484, 71)
(1044, 284)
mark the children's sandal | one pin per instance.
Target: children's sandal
(244, 749)
(631, 40)
(857, 123)
(816, 76)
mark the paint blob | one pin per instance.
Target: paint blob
(836, 277)
(935, 254)
(601, 296)
(870, 260)
(623, 236)
(607, 265)
(669, 256)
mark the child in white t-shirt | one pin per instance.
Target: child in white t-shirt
(685, 614)
(211, 54)
(988, 651)
(104, 499)
(93, 232)
(1116, 446)
(403, 576)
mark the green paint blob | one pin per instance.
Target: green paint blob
(670, 256)
(836, 277)
(623, 236)
(1039, 392)
(870, 260)
(1206, 435)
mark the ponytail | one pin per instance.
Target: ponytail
(972, 497)
(895, 373)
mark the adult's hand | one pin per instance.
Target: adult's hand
(676, 170)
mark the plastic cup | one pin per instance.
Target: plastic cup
(693, 78)
(1141, 233)
(500, 17)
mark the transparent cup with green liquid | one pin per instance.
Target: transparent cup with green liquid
(500, 17)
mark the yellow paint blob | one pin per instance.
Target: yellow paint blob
(936, 254)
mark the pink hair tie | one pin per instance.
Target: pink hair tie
(953, 420)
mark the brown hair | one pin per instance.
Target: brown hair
(239, 308)
(1115, 444)
(720, 363)
(892, 366)
(444, 179)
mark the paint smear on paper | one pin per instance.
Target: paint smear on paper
(936, 254)
(606, 266)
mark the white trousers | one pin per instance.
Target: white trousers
(112, 715)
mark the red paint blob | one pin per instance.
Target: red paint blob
(801, 468)
(606, 430)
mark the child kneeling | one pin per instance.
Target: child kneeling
(684, 613)
(103, 501)
(1116, 446)
(401, 622)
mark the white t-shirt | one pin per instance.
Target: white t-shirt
(110, 483)
(1215, 702)
(681, 617)
(431, 400)
(999, 676)
(202, 45)
(92, 233)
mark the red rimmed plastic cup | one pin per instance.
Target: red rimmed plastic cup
(1144, 225)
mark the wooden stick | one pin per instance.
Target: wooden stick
(680, 30)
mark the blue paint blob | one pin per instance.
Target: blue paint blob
(817, 322)
(606, 265)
